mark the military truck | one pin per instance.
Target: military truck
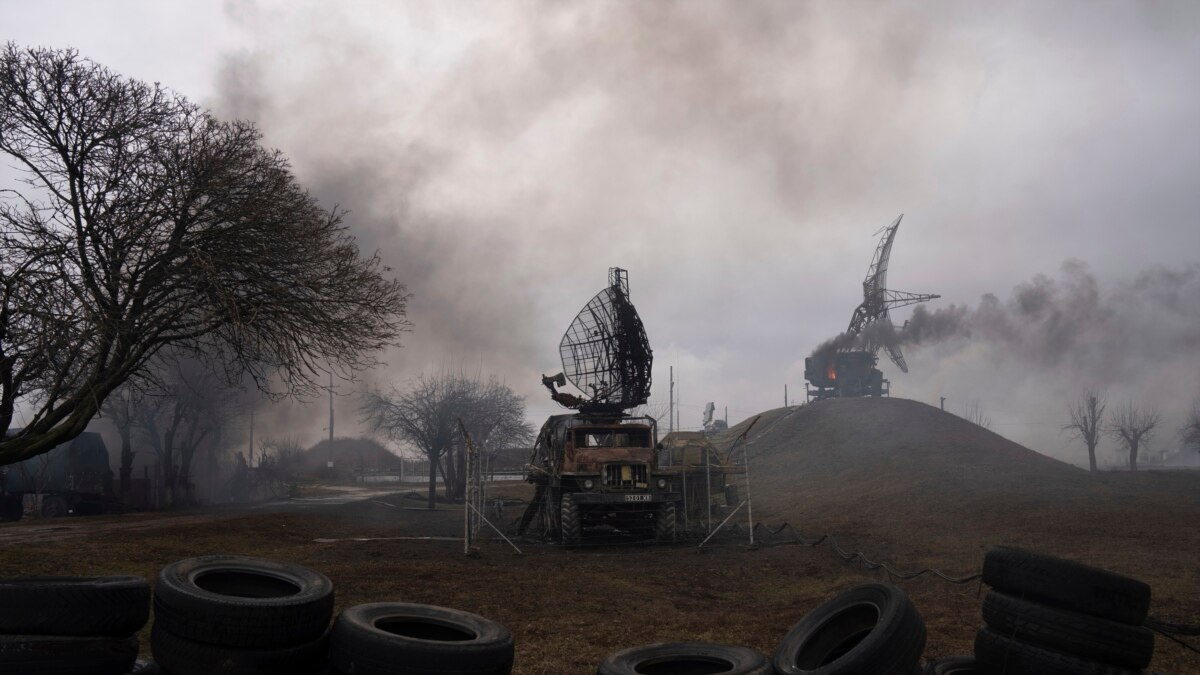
(596, 471)
(75, 478)
(602, 472)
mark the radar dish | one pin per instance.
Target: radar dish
(605, 351)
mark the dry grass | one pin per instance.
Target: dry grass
(568, 609)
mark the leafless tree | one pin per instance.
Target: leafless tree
(139, 222)
(973, 413)
(1087, 422)
(426, 416)
(1190, 433)
(1132, 427)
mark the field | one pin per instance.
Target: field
(934, 495)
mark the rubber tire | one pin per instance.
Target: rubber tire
(659, 658)
(194, 613)
(952, 665)
(116, 606)
(572, 531)
(180, 656)
(892, 635)
(358, 644)
(1067, 584)
(59, 655)
(665, 524)
(144, 667)
(999, 655)
(1069, 632)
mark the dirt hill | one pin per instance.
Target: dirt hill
(889, 465)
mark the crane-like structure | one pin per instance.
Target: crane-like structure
(878, 299)
(846, 367)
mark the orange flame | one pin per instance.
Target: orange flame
(831, 372)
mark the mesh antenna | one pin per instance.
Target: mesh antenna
(878, 299)
(605, 353)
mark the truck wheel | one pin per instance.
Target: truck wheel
(664, 523)
(67, 655)
(572, 532)
(54, 506)
(700, 658)
(239, 601)
(1066, 584)
(91, 606)
(873, 628)
(396, 638)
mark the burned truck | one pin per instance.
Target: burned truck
(840, 374)
(595, 470)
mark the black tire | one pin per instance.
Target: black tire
(56, 655)
(144, 667)
(180, 656)
(665, 523)
(238, 601)
(1070, 632)
(999, 655)
(873, 628)
(395, 638)
(115, 606)
(693, 658)
(1066, 584)
(11, 508)
(952, 665)
(572, 530)
(54, 506)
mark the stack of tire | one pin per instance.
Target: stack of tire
(1051, 616)
(238, 615)
(397, 638)
(870, 629)
(73, 625)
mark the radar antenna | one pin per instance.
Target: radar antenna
(878, 299)
(605, 353)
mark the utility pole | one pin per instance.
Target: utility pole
(785, 394)
(671, 404)
(251, 457)
(331, 419)
(943, 402)
(726, 417)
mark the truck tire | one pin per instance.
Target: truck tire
(1066, 584)
(180, 656)
(664, 523)
(873, 628)
(572, 530)
(239, 601)
(999, 655)
(115, 606)
(1070, 632)
(57, 655)
(697, 658)
(952, 665)
(395, 638)
(54, 506)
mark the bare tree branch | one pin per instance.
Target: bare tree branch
(1132, 427)
(1087, 422)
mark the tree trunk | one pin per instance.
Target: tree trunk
(1133, 452)
(126, 459)
(432, 480)
(1092, 455)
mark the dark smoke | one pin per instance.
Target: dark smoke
(1062, 324)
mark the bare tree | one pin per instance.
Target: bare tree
(973, 413)
(1190, 433)
(1087, 422)
(1132, 427)
(426, 416)
(141, 222)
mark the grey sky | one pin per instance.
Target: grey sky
(736, 157)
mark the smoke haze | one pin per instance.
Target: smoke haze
(736, 159)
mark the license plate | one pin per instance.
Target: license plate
(637, 498)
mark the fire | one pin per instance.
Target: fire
(831, 372)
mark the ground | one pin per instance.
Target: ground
(568, 609)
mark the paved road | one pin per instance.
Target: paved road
(40, 530)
